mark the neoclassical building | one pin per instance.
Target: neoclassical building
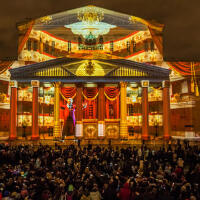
(95, 73)
(112, 99)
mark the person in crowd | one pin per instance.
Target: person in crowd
(45, 172)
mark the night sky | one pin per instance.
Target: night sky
(181, 19)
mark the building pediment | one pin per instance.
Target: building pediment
(80, 69)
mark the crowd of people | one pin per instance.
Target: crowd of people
(95, 173)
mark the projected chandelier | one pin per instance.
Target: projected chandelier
(90, 18)
(90, 15)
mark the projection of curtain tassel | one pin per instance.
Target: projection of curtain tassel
(195, 80)
(192, 79)
(192, 85)
(197, 91)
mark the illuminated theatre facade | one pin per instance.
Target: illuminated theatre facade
(99, 98)
(90, 73)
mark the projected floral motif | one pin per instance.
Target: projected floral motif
(90, 130)
(112, 130)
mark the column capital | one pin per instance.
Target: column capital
(145, 83)
(123, 84)
(57, 84)
(35, 83)
(13, 84)
(79, 84)
(166, 84)
(101, 85)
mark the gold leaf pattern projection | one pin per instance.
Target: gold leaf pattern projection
(50, 72)
(125, 71)
(112, 130)
(90, 130)
(90, 69)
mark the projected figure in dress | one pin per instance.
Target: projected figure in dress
(69, 124)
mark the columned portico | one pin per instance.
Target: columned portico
(57, 124)
(13, 110)
(98, 116)
(145, 110)
(123, 111)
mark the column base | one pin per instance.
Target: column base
(79, 129)
(166, 137)
(35, 138)
(145, 137)
(57, 131)
(12, 138)
(101, 129)
(123, 130)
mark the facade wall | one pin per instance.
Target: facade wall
(4, 120)
(182, 119)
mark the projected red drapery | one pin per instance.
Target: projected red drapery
(90, 98)
(112, 102)
(66, 92)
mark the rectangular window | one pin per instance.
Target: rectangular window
(35, 45)
(134, 45)
(152, 45)
(53, 47)
(128, 46)
(69, 45)
(111, 46)
(29, 44)
(130, 109)
(46, 47)
(146, 46)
